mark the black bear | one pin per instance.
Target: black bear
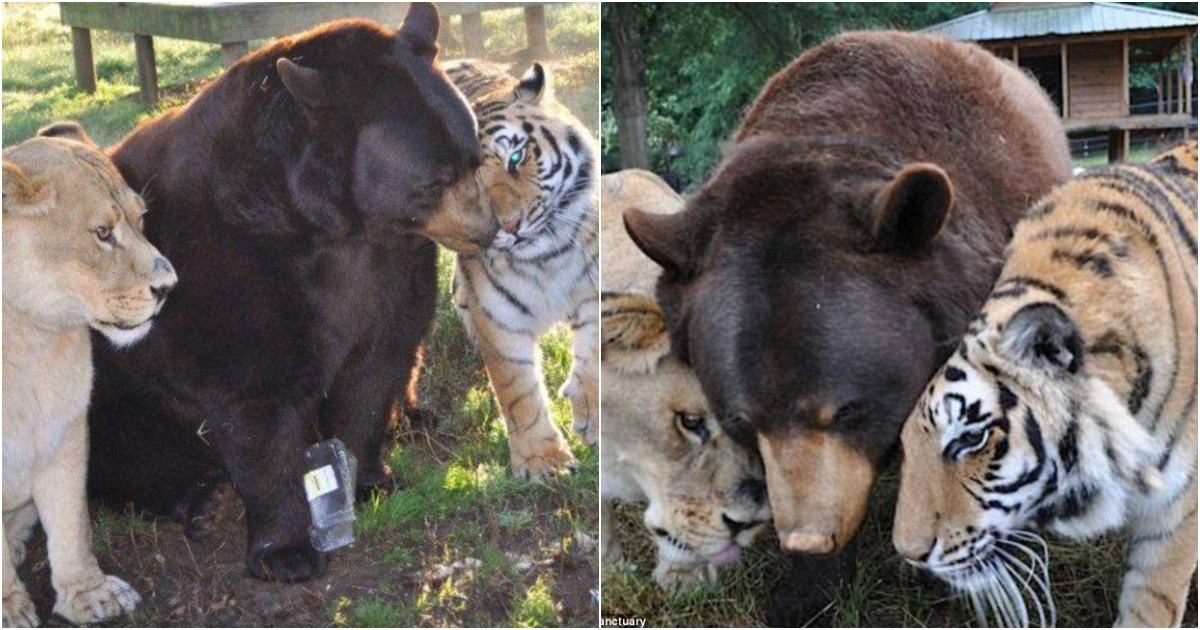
(297, 196)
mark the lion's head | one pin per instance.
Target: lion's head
(705, 493)
(74, 252)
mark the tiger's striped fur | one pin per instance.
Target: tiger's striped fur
(539, 169)
(1070, 404)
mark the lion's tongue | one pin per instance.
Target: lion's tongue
(730, 555)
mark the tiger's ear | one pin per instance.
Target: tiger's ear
(660, 236)
(911, 209)
(1042, 337)
(633, 332)
(24, 195)
(532, 86)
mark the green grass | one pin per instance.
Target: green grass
(884, 593)
(536, 608)
(457, 500)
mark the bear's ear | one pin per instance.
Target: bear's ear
(532, 86)
(659, 236)
(911, 209)
(420, 28)
(304, 84)
(632, 331)
(68, 129)
(24, 195)
(1042, 337)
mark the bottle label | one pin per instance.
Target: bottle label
(320, 482)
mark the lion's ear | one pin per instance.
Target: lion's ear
(25, 195)
(68, 129)
(633, 332)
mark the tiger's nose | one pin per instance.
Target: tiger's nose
(512, 226)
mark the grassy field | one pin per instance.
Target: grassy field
(885, 592)
(460, 543)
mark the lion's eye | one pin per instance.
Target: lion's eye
(105, 234)
(693, 425)
(967, 443)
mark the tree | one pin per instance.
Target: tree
(630, 103)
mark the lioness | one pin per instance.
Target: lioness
(74, 257)
(705, 494)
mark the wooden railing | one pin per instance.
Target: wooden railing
(234, 24)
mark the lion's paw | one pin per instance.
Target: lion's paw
(547, 458)
(90, 603)
(19, 611)
(672, 576)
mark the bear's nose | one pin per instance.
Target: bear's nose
(915, 550)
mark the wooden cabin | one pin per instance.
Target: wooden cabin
(1082, 54)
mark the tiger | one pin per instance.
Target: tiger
(540, 173)
(1070, 404)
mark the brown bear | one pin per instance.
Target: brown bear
(833, 259)
(296, 195)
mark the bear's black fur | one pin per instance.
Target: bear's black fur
(292, 214)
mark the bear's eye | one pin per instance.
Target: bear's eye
(692, 426)
(104, 234)
(967, 443)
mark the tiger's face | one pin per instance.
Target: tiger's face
(536, 161)
(1011, 434)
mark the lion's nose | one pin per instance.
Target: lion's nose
(162, 265)
(754, 489)
(160, 292)
(737, 527)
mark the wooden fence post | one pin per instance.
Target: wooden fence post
(147, 72)
(535, 29)
(473, 34)
(232, 51)
(85, 68)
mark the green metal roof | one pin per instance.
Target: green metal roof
(1005, 20)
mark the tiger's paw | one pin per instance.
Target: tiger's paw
(585, 408)
(547, 457)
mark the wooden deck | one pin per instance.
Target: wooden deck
(234, 24)
(1129, 123)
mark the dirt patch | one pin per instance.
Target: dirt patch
(385, 577)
